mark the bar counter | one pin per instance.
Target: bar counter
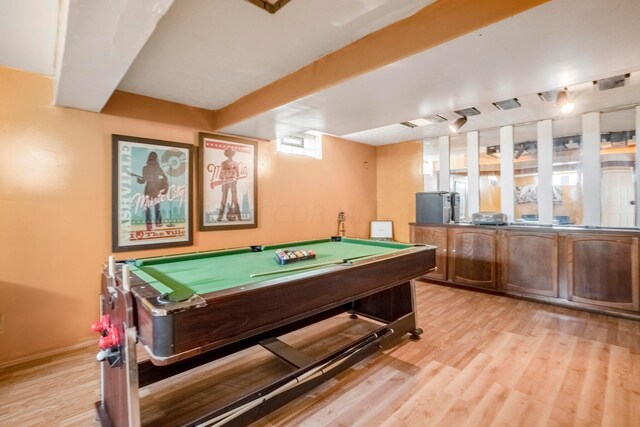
(590, 268)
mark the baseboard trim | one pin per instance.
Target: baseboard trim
(46, 354)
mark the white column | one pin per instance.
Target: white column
(591, 168)
(473, 173)
(445, 165)
(126, 279)
(507, 179)
(545, 172)
(637, 200)
(111, 266)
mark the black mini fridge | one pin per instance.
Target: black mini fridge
(433, 207)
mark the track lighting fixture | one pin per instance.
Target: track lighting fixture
(564, 102)
(455, 126)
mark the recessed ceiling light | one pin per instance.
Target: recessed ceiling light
(424, 121)
(436, 118)
(507, 104)
(409, 125)
(420, 122)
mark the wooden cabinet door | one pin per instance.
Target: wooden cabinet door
(472, 257)
(529, 262)
(603, 270)
(436, 236)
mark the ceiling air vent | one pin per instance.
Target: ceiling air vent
(508, 104)
(611, 82)
(409, 125)
(468, 112)
(436, 118)
(549, 95)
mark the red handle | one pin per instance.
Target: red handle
(102, 325)
(112, 338)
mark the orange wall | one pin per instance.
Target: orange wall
(55, 217)
(399, 179)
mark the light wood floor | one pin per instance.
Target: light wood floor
(483, 360)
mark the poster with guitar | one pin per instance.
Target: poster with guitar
(151, 193)
(228, 184)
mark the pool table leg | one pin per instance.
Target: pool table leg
(416, 331)
(394, 306)
(387, 305)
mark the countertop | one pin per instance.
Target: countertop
(539, 228)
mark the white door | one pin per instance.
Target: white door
(618, 200)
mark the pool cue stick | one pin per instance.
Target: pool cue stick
(302, 267)
(112, 266)
(125, 277)
(303, 378)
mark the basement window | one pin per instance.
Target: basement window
(305, 144)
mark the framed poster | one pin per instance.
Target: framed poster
(151, 194)
(228, 182)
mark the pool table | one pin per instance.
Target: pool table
(189, 309)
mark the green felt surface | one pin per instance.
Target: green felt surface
(213, 271)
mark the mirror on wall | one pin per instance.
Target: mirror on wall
(489, 165)
(567, 171)
(610, 198)
(617, 168)
(525, 171)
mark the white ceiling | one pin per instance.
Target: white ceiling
(209, 53)
(533, 109)
(560, 43)
(28, 34)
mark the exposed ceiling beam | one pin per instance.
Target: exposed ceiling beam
(126, 104)
(97, 44)
(433, 25)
